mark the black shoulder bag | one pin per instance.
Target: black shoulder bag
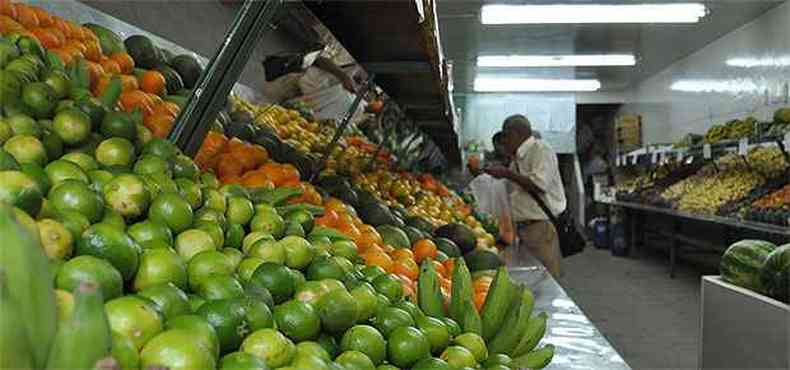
(571, 240)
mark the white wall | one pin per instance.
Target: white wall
(702, 89)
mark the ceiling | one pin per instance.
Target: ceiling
(656, 46)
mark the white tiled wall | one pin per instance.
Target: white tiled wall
(746, 72)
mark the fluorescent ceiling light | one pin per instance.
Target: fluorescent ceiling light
(759, 62)
(499, 84)
(556, 60)
(715, 86)
(593, 13)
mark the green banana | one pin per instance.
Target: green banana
(461, 289)
(70, 350)
(496, 304)
(428, 291)
(15, 349)
(534, 333)
(471, 322)
(537, 359)
(515, 324)
(27, 271)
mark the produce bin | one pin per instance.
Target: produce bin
(741, 329)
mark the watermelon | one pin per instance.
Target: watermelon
(741, 264)
(775, 274)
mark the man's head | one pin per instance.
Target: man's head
(515, 129)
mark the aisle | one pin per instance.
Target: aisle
(652, 320)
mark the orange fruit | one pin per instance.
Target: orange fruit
(479, 298)
(44, 19)
(110, 66)
(129, 83)
(439, 268)
(424, 248)
(406, 267)
(449, 266)
(26, 16)
(7, 9)
(124, 61)
(136, 99)
(96, 71)
(46, 38)
(87, 34)
(152, 82)
(166, 108)
(64, 55)
(58, 33)
(402, 253)
(93, 51)
(76, 44)
(62, 26)
(380, 259)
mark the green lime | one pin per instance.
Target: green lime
(307, 361)
(242, 361)
(26, 149)
(148, 230)
(312, 349)
(474, 343)
(59, 83)
(159, 266)
(298, 252)
(176, 350)
(226, 316)
(452, 327)
(160, 148)
(297, 320)
(211, 216)
(372, 272)
(190, 191)
(75, 222)
(268, 250)
(338, 311)
(268, 222)
(346, 265)
(72, 125)
(64, 104)
(85, 161)
(329, 344)
(124, 351)
(239, 210)
(19, 190)
(155, 244)
(134, 317)
(149, 164)
(431, 363)
(407, 345)
(386, 367)
(253, 237)
(118, 124)
(73, 195)
(219, 286)
(195, 302)
(234, 236)
(257, 291)
(355, 360)
(257, 314)
(390, 319)
(497, 359)
(40, 98)
(93, 108)
(144, 135)
(199, 327)
(209, 180)
(303, 218)
(276, 278)
(213, 230)
(160, 183)
(270, 345)
(107, 242)
(365, 339)
(7, 162)
(115, 151)
(382, 302)
(411, 308)
(325, 268)
(234, 255)
(390, 286)
(61, 170)
(112, 217)
(52, 144)
(297, 277)
(293, 228)
(458, 357)
(435, 331)
(89, 268)
(170, 300)
(344, 248)
(55, 239)
(310, 292)
(365, 297)
(236, 190)
(172, 210)
(127, 195)
(184, 167)
(214, 200)
(247, 266)
(22, 124)
(207, 263)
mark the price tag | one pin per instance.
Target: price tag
(743, 146)
(787, 140)
(654, 157)
(706, 151)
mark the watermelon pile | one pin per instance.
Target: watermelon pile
(760, 266)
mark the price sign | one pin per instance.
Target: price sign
(706, 151)
(743, 146)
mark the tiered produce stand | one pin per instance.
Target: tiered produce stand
(151, 220)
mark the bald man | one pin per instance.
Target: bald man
(534, 167)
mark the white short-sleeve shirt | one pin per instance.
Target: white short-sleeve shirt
(537, 161)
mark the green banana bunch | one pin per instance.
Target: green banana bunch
(497, 302)
(536, 328)
(15, 349)
(461, 290)
(429, 292)
(537, 359)
(516, 324)
(471, 322)
(27, 271)
(85, 338)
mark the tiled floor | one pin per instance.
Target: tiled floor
(652, 320)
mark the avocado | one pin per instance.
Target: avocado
(420, 223)
(188, 67)
(143, 51)
(394, 236)
(376, 214)
(166, 55)
(413, 233)
(480, 260)
(110, 42)
(272, 145)
(460, 234)
(173, 81)
(447, 247)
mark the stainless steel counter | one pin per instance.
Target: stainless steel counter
(578, 343)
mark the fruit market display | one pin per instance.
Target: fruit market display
(121, 252)
(759, 266)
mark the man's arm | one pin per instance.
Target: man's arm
(330, 67)
(525, 182)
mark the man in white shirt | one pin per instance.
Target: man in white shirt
(492, 197)
(534, 167)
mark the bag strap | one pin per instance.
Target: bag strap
(540, 201)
